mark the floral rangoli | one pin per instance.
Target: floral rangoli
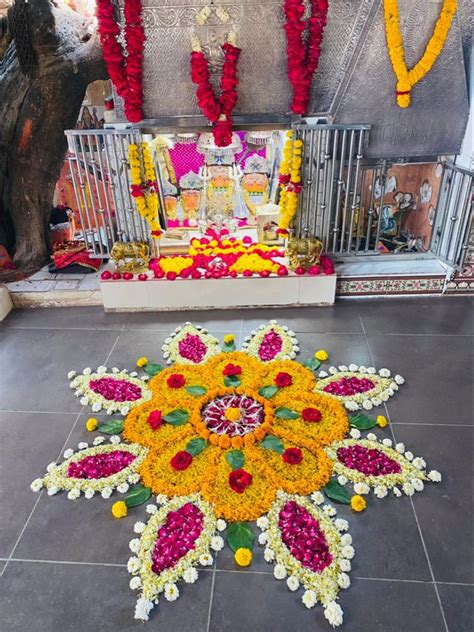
(223, 437)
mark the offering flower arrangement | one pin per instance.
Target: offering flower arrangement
(218, 258)
(223, 437)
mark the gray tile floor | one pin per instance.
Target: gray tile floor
(63, 564)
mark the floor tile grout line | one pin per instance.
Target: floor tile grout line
(57, 459)
(40, 495)
(423, 543)
(234, 571)
(211, 596)
(420, 533)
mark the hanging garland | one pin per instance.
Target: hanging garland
(290, 182)
(125, 71)
(303, 54)
(145, 192)
(217, 110)
(406, 79)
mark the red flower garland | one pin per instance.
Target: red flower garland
(217, 110)
(303, 57)
(125, 72)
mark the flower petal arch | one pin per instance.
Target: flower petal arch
(194, 525)
(272, 342)
(358, 388)
(106, 468)
(248, 505)
(158, 473)
(190, 344)
(311, 429)
(312, 473)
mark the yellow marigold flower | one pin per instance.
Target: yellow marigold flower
(243, 557)
(358, 503)
(119, 509)
(382, 421)
(141, 362)
(321, 355)
(91, 424)
(232, 414)
(229, 339)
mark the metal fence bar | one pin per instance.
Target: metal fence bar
(370, 210)
(323, 205)
(73, 167)
(331, 187)
(106, 188)
(347, 191)
(340, 182)
(383, 180)
(355, 190)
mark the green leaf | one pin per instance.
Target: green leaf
(111, 427)
(268, 391)
(240, 535)
(153, 369)
(286, 413)
(196, 446)
(177, 417)
(137, 495)
(313, 364)
(196, 390)
(232, 380)
(228, 348)
(362, 422)
(337, 492)
(272, 443)
(235, 458)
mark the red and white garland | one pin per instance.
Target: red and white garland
(303, 55)
(125, 71)
(217, 110)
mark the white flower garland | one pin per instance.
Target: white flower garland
(323, 587)
(385, 386)
(57, 479)
(87, 396)
(171, 346)
(411, 477)
(151, 584)
(290, 346)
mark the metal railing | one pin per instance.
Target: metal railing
(454, 216)
(331, 175)
(341, 201)
(98, 162)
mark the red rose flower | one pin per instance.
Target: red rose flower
(283, 379)
(239, 480)
(175, 380)
(292, 456)
(311, 414)
(181, 460)
(155, 419)
(232, 369)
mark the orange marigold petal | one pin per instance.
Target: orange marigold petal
(232, 506)
(312, 473)
(158, 474)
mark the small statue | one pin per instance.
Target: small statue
(304, 252)
(133, 256)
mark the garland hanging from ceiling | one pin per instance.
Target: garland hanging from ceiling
(125, 70)
(406, 79)
(218, 110)
(303, 54)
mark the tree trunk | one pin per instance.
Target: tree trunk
(34, 112)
